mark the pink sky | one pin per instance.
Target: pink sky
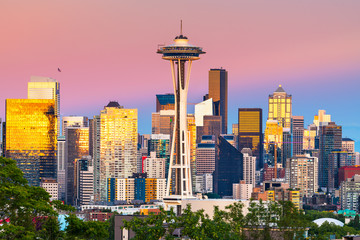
(107, 51)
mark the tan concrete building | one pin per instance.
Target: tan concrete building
(302, 174)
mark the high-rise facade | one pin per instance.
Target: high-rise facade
(249, 166)
(280, 107)
(74, 121)
(118, 144)
(297, 130)
(350, 193)
(165, 102)
(273, 141)
(202, 109)
(76, 147)
(94, 152)
(302, 173)
(338, 159)
(348, 145)
(218, 91)
(250, 133)
(61, 162)
(154, 167)
(31, 137)
(228, 166)
(84, 181)
(205, 155)
(46, 88)
(330, 137)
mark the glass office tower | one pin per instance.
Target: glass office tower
(31, 137)
(250, 133)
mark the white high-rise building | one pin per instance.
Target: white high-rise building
(242, 190)
(154, 167)
(46, 88)
(202, 109)
(249, 166)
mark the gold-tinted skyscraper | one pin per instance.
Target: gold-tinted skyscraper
(31, 137)
(218, 91)
(118, 144)
(280, 107)
(250, 133)
(46, 88)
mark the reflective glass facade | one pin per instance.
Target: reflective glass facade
(31, 137)
(77, 146)
(118, 144)
(280, 107)
(250, 133)
(218, 91)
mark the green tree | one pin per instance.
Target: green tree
(79, 229)
(21, 203)
(152, 226)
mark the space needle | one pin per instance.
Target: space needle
(181, 54)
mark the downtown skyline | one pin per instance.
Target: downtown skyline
(312, 49)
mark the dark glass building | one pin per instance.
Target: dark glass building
(250, 133)
(228, 166)
(330, 138)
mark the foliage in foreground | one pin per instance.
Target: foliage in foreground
(230, 224)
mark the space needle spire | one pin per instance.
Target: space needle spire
(181, 54)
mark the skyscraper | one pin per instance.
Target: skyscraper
(94, 152)
(76, 147)
(180, 53)
(31, 137)
(249, 166)
(330, 137)
(165, 102)
(302, 173)
(228, 166)
(297, 127)
(250, 133)
(46, 88)
(202, 109)
(280, 107)
(61, 162)
(205, 155)
(218, 91)
(118, 144)
(74, 121)
(84, 180)
(273, 142)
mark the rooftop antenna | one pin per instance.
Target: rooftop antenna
(180, 27)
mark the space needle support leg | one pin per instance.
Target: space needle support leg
(174, 132)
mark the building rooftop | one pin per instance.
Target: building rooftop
(165, 99)
(347, 140)
(114, 104)
(280, 89)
